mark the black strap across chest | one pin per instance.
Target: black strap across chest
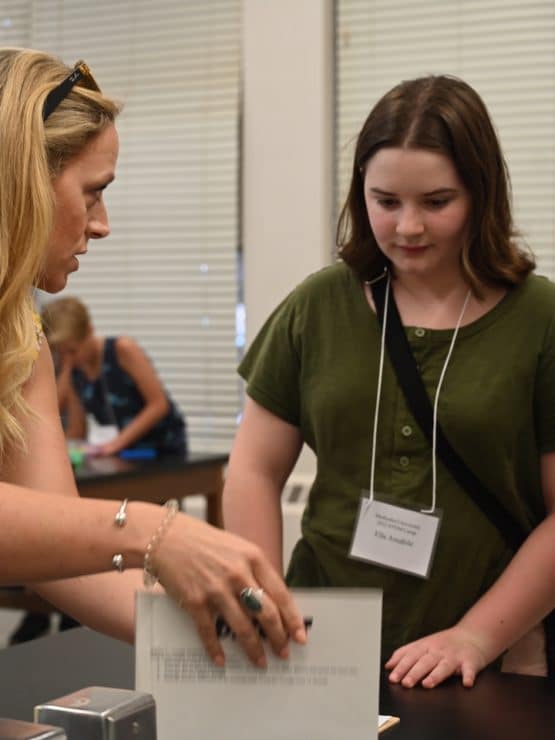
(416, 396)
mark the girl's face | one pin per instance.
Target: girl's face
(418, 210)
(80, 212)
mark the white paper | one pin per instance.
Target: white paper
(395, 537)
(101, 434)
(326, 690)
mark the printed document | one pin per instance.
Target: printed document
(326, 690)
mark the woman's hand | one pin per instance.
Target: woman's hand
(107, 449)
(205, 569)
(432, 659)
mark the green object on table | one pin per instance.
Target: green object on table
(76, 455)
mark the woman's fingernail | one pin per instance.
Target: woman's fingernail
(300, 636)
(262, 662)
(219, 660)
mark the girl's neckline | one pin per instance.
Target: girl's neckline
(468, 329)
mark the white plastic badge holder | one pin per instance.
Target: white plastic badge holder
(395, 537)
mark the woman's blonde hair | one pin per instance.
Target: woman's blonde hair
(32, 153)
(65, 320)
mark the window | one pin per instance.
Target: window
(504, 49)
(167, 275)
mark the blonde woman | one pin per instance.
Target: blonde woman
(58, 152)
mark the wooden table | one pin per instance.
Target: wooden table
(499, 707)
(155, 481)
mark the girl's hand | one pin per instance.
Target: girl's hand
(432, 659)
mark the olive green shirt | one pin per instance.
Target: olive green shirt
(314, 364)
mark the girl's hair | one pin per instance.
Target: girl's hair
(65, 320)
(442, 114)
(32, 153)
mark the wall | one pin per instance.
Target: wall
(287, 151)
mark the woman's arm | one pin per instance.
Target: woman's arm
(48, 535)
(263, 455)
(63, 381)
(518, 600)
(76, 418)
(136, 364)
(69, 404)
(61, 537)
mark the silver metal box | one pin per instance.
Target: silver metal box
(100, 713)
(11, 729)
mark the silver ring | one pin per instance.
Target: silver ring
(251, 598)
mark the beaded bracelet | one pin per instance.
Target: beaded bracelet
(150, 578)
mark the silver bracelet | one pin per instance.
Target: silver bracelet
(120, 520)
(150, 577)
(121, 517)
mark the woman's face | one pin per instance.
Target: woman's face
(77, 352)
(418, 209)
(80, 213)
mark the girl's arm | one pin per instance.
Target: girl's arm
(263, 455)
(521, 597)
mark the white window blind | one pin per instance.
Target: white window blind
(167, 275)
(15, 22)
(504, 49)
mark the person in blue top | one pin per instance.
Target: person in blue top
(112, 379)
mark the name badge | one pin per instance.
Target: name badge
(395, 537)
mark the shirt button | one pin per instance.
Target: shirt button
(404, 460)
(419, 332)
(406, 431)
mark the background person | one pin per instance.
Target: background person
(113, 380)
(429, 211)
(58, 152)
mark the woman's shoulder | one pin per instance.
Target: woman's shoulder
(122, 343)
(126, 349)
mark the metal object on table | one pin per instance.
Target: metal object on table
(101, 713)
(11, 729)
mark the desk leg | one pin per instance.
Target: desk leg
(214, 512)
